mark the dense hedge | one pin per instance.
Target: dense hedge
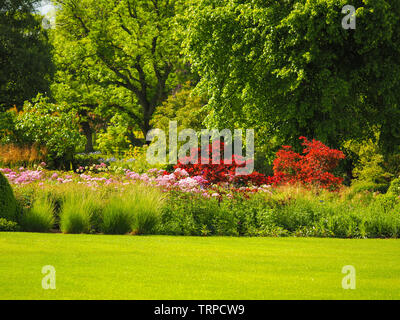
(8, 204)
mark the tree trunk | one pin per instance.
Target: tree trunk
(87, 130)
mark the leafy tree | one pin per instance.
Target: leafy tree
(52, 126)
(127, 51)
(184, 107)
(73, 84)
(25, 53)
(115, 139)
(7, 127)
(290, 67)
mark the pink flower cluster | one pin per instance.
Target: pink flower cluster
(23, 176)
(179, 180)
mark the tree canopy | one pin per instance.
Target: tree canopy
(25, 53)
(126, 52)
(292, 68)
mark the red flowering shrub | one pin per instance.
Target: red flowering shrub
(311, 168)
(225, 171)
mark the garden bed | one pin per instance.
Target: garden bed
(158, 202)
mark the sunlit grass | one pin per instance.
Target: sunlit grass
(157, 267)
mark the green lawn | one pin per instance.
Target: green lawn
(156, 267)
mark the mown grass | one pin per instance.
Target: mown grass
(164, 267)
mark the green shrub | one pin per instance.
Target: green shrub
(299, 213)
(115, 139)
(378, 225)
(344, 225)
(362, 186)
(89, 159)
(395, 187)
(8, 204)
(189, 214)
(53, 126)
(385, 202)
(39, 218)
(6, 225)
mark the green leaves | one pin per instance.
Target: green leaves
(50, 125)
(25, 54)
(297, 70)
(125, 54)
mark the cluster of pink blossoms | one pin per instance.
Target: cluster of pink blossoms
(179, 180)
(23, 176)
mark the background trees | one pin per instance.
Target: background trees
(128, 49)
(286, 69)
(25, 53)
(291, 68)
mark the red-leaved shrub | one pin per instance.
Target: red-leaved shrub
(224, 172)
(313, 167)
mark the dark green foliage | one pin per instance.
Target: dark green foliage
(25, 54)
(260, 216)
(299, 72)
(6, 225)
(395, 187)
(8, 204)
(193, 215)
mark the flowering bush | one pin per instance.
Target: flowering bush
(312, 168)
(224, 172)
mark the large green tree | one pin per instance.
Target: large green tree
(119, 55)
(290, 67)
(25, 53)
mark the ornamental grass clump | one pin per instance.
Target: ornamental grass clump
(117, 216)
(147, 203)
(77, 210)
(40, 217)
(137, 209)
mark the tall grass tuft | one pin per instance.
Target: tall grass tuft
(117, 216)
(146, 203)
(77, 210)
(136, 209)
(13, 155)
(40, 217)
